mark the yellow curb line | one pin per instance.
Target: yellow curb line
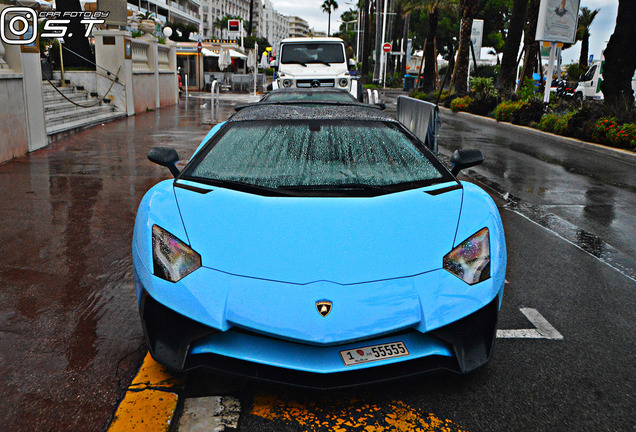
(150, 402)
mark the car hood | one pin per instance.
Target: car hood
(308, 239)
(313, 70)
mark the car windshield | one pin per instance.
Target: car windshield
(312, 53)
(315, 155)
(310, 96)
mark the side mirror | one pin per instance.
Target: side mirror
(352, 63)
(165, 156)
(462, 159)
(380, 105)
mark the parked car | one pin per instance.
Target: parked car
(321, 246)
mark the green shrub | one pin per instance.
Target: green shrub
(527, 90)
(561, 125)
(548, 122)
(608, 131)
(574, 71)
(483, 87)
(503, 111)
(461, 103)
(528, 112)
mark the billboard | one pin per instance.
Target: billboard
(476, 36)
(557, 21)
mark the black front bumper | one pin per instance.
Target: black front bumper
(169, 336)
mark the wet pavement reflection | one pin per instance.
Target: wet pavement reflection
(586, 196)
(69, 329)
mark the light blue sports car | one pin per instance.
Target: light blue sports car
(321, 246)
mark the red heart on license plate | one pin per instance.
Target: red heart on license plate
(360, 352)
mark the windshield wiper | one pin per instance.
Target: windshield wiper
(320, 61)
(296, 62)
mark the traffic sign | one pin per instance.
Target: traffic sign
(386, 47)
(199, 47)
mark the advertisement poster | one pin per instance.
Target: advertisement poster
(476, 36)
(557, 21)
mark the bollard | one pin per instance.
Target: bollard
(376, 97)
(186, 85)
(369, 97)
(214, 100)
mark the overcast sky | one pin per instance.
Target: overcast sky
(601, 30)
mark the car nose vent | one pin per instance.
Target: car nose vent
(308, 83)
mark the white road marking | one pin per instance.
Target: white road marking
(543, 330)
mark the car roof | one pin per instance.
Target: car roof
(324, 111)
(311, 39)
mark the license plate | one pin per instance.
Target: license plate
(373, 353)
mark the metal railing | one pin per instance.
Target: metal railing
(420, 117)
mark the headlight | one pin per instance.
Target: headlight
(343, 82)
(470, 261)
(287, 83)
(172, 259)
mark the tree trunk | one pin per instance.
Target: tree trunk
(379, 5)
(405, 38)
(508, 74)
(428, 82)
(366, 40)
(75, 39)
(460, 73)
(585, 48)
(620, 62)
(530, 58)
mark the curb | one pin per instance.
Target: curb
(620, 154)
(150, 401)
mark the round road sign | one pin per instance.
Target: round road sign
(386, 47)
(199, 47)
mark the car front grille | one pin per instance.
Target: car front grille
(315, 83)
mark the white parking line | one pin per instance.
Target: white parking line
(543, 330)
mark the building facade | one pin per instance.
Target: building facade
(298, 27)
(183, 11)
(274, 25)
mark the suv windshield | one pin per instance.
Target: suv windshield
(315, 156)
(312, 53)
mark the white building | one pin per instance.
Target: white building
(274, 26)
(298, 27)
(184, 11)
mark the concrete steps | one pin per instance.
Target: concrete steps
(64, 118)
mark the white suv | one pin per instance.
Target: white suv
(315, 62)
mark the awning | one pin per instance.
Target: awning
(207, 53)
(236, 54)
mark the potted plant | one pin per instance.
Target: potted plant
(146, 22)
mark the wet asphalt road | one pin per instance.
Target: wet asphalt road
(70, 336)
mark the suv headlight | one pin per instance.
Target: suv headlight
(343, 82)
(172, 259)
(470, 261)
(287, 83)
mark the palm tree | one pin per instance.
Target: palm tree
(432, 8)
(620, 62)
(329, 6)
(508, 73)
(583, 33)
(468, 10)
